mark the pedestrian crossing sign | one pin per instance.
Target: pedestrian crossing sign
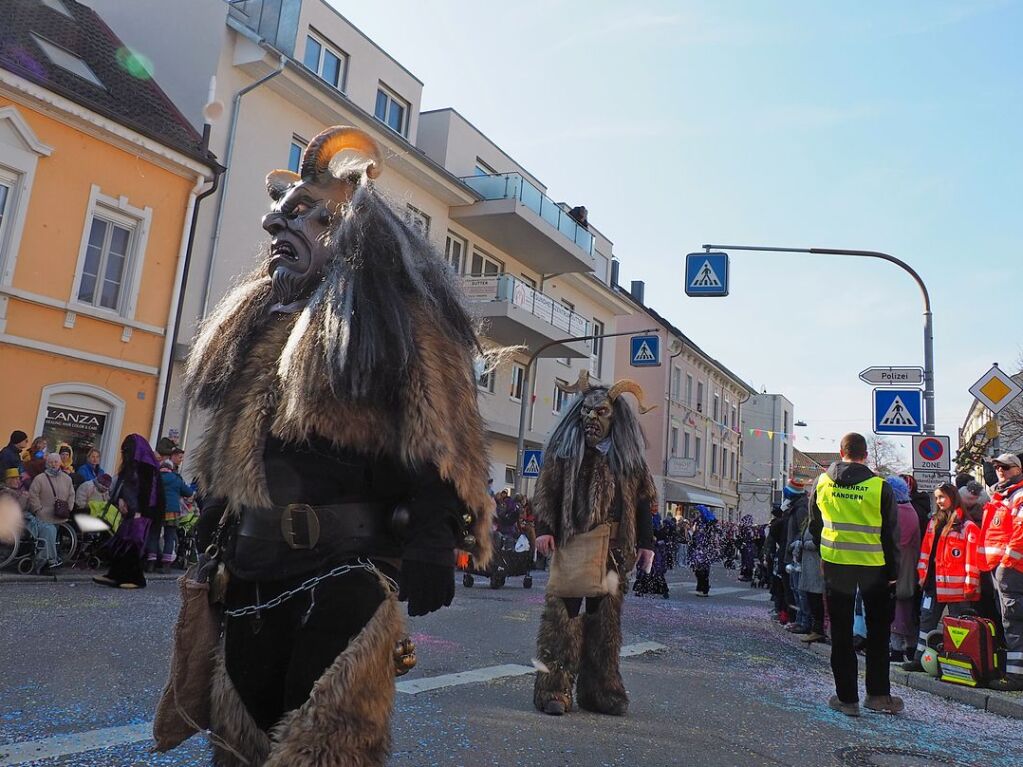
(532, 460)
(898, 411)
(645, 351)
(707, 274)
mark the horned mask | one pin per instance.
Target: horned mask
(304, 205)
(597, 411)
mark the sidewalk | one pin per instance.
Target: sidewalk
(75, 575)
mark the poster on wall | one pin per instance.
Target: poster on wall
(82, 429)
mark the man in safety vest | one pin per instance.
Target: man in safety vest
(1001, 549)
(854, 521)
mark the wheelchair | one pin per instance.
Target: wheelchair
(22, 554)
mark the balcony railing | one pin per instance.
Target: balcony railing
(508, 186)
(505, 287)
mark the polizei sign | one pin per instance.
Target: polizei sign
(76, 420)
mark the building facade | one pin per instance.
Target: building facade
(767, 423)
(985, 434)
(98, 177)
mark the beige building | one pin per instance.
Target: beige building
(984, 434)
(693, 440)
(537, 272)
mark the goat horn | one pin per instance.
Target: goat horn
(325, 146)
(278, 181)
(581, 385)
(627, 385)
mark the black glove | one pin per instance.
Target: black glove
(426, 587)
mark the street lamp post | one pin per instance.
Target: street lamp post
(527, 399)
(928, 426)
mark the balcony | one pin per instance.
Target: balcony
(520, 219)
(514, 314)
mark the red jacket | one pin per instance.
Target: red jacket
(956, 562)
(1002, 539)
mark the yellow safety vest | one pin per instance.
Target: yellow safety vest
(852, 521)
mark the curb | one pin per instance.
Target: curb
(1001, 703)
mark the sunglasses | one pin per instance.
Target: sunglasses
(1001, 467)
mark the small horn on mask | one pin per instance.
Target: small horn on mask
(317, 157)
(581, 385)
(278, 181)
(627, 385)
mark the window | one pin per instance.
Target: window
(518, 378)
(699, 396)
(685, 445)
(597, 347)
(484, 264)
(724, 461)
(67, 61)
(735, 418)
(486, 381)
(717, 408)
(391, 110)
(560, 396)
(295, 154)
(674, 440)
(713, 459)
(454, 252)
(482, 169)
(689, 390)
(699, 451)
(418, 220)
(326, 60)
(509, 475)
(106, 259)
(7, 182)
(676, 383)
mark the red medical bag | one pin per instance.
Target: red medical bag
(969, 655)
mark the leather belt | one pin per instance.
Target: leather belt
(303, 526)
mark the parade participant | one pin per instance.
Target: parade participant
(347, 449)
(705, 548)
(1002, 553)
(855, 524)
(593, 505)
(747, 548)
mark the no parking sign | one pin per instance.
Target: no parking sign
(932, 454)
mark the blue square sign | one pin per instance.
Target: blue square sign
(532, 460)
(898, 411)
(707, 274)
(645, 351)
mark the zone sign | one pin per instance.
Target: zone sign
(931, 454)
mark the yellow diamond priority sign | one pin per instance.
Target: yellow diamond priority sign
(995, 389)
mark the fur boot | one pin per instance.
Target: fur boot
(600, 687)
(557, 653)
(345, 722)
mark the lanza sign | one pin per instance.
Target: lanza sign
(76, 420)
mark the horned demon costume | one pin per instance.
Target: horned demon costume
(346, 445)
(594, 497)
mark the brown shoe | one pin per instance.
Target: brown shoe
(554, 708)
(884, 704)
(849, 709)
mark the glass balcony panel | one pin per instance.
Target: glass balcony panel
(531, 197)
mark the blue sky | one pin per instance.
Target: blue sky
(874, 125)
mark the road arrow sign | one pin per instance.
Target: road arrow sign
(898, 411)
(532, 460)
(707, 274)
(893, 376)
(932, 454)
(995, 390)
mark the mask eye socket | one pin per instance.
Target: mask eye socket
(298, 209)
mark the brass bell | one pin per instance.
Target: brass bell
(468, 541)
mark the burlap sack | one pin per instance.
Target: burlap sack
(184, 707)
(579, 568)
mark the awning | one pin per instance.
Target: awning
(676, 492)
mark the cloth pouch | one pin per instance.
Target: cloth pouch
(579, 567)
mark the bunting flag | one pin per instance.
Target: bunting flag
(770, 435)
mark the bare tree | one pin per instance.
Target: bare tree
(883, 455)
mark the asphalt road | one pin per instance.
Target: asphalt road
(82, 667)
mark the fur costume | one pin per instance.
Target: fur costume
(349, 348)
(594, 473)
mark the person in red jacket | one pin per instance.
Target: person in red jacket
(949, 566)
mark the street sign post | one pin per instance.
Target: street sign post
(898, 411)
(932, 454)
(929, 481)
(681, 467)
(707, 274)
(893, 376)
(995, 389)
(645, 351)
(532, 460)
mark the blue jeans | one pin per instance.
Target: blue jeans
(170, 543)
(804, 618)
(47, 533)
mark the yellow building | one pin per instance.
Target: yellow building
(99, 174)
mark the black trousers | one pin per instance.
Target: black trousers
(841, 583)
(702, 579)
(816, 612)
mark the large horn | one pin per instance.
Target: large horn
(278, 181)
(325, 145)
(581, 385)
(627, 385)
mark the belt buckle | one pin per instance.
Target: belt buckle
(300, 526)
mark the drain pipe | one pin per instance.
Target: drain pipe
(236, 105)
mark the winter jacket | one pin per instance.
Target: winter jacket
(174, 489)
(956, 560)
(811, 580)
(87, 491)
(1002, 537)
(798, 509)
(909, 547)
(41, 496)
(922, 503)
(846, 474)
(10, 458)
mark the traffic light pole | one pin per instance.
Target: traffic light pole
(527, 398)
(928, 426)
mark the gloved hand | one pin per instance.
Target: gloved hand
(426, 586)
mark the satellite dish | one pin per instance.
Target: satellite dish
(213, 111)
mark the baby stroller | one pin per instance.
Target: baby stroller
(508, 561)
(188, 538)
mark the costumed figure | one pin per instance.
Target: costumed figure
(655, 582)
(593, 505)
(747, 553)
(345, 461)
(704, 549)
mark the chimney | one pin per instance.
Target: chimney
(637, 290)
(614, 272)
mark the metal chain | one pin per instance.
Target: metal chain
(311, 583)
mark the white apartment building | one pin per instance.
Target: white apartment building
(767, 423)
(697, 419)
(286, 69)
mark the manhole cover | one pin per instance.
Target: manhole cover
(869, 756)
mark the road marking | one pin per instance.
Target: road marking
(74, 743)
(111, 737)
(760, 596)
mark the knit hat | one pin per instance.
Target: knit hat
(17, 437)
(165, 446)
(899, 487)
(12, 473)
(103, 481)
(795, 485)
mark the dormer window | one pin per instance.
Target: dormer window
(328, 61)
(67, 60)
(392, 110)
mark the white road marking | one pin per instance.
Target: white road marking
(13, 754)
(760, 596)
